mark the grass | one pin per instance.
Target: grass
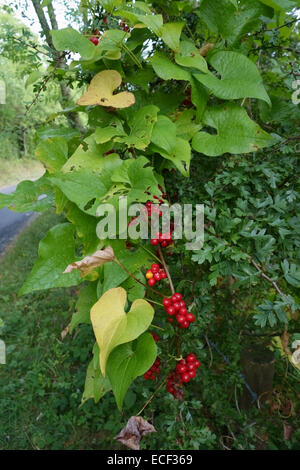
(43, 379)
(14, 171)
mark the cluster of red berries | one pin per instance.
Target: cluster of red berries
(185, 371)
(94, 40)
(176, 306)
(161, 239)
(154, 370)
(151, 207)
(155, 274)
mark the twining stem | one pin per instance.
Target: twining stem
(153, 302)
(153, 395)
(166, 269)
(137, 280)
(158, 327)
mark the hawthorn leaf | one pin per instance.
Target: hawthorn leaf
(190, 56)
(101, 88)
(128, 361)
(112, 326)
(166, 69)
(55, 252)
(170, 34)
(135, 429)
(53, 153)
(240, 77)
(87, 264)
(236, 132)
(87, 298)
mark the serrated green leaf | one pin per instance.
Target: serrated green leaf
(129, 361)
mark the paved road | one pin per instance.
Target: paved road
(11, 222)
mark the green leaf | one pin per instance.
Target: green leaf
(199, 97)
(166, 69)
(129, 361)
(112, 326)
(286, 5)
(236, 132)
(190, 57)
(83, 187)
(230, 22)
(171, 147)
(68, 39)
(141, 126)
(56, 252)
(240, 77)
(87, 298)
(96, 386)
(89, 154)
(33, 77)
(170, 34)
(53, 153)
(105, 134)
(85, 228)
(186, 127)
(30, 196)
(153, 22)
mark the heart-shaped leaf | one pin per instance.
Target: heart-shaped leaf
(128, 361)
(112, 326)
(101, 88)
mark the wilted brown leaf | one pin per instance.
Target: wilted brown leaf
(206, 48)
(88, 263)
(133, 432)
(65, 331)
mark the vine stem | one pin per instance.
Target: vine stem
(137, 280)
(153, 395)
(166, 269)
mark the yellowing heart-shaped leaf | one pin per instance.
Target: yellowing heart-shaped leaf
(100, 91)
(112, 326)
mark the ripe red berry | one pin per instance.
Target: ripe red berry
(170, 320)
(94, 40)
(157, 276)
(178, 296)
(191, 358)
(180, 319)
(185, 377)
(192, 374)
(164, 243)
(163, 275)
(171, 310)
(181, 303)
(176, 305)
(197, 363)
(155, 267)
(183, 311)
(167, 302)
(184, 324)
(151, 282)
(174, 298)
(181, 368)
(154, 241)
(190, 317)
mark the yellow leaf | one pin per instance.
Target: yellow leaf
(112, 326)
(100, 91)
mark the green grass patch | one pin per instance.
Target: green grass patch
(43, 379)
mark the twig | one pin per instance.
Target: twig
(210, 351)
(153, 395)
(137, 280)
(166, 269)
(267, 278)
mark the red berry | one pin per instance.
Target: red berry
(154, 241)
(151, 282)
(157, 276)
(185, 377)
(164, 243)
(178, 296)
(167, 302)
(182, 304)
(192, 373)
(163, 275)
(155, 267)
(191, 366)
(181, 368)
(94, 40)
(180, 318)
(184, 324)
(197, 363)
(170, 320)
(190, 358)
(183, 311)
(190, 317)
(174, 298)
(176, 305)
(105, 20)
(171, 310)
